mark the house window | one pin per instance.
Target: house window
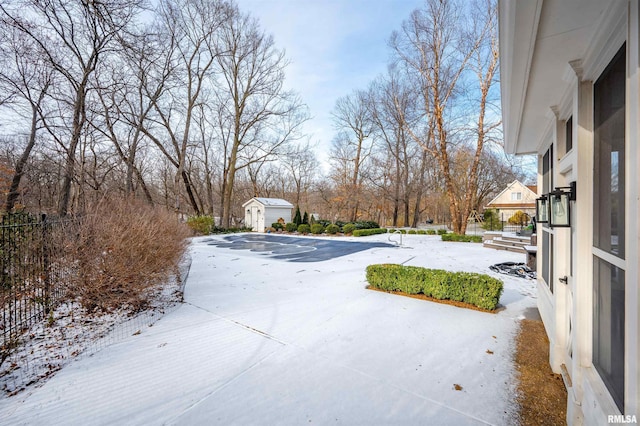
(516, 196)
(547, 236)
(609, 226)
(569, 134)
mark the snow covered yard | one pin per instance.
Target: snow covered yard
(261, 340)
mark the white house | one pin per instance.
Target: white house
(260, 213)
(515, 197)
(571, 94)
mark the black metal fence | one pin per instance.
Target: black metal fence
(517, 222)
(32, 266)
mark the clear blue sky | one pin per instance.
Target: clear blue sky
(334, 46)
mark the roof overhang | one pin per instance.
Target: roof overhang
(539, 40)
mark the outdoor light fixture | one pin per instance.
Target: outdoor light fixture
(554, 208)
(559, 208)
(542, 209)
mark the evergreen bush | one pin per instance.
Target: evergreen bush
(201, 225)
(332, 229)
(462, 238)
(291, 227)
(316, 228)
(297, 218)
(304, 228)
(366, 232)
(479, 290)
(348, 228)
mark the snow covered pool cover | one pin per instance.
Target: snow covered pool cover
(295, 249)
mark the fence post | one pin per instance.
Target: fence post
(45, 264)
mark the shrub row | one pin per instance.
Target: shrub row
(462, 238)
(479, 290)
(366, 232)
(205, 225)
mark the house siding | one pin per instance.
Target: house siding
(568, 310)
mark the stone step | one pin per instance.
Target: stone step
(516, 238)
(502, 245)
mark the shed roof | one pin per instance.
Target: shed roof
(270, 202)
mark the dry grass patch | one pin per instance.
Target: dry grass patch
(542, 396)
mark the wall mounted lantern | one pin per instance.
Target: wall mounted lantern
(560, 207)
(248, 211)
(542, 209)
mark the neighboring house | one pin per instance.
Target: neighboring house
(515, 197)
(260, 213)
(570, 85)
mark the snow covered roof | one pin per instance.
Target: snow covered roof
(270, 202)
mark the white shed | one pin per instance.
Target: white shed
(260, 213)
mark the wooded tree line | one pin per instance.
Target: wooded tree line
(183, 104)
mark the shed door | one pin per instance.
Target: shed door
(254, 218)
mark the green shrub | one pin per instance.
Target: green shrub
(462, 238)
(332, 229)
(366, 224)
(519, 218)
(348, 228)
(366, 232)
(201, 224)
(317, 228)
(297, 218)
(304, 228)
(422, 232)
(431, 232)
(324, 222)
(291, 227)
(412, 232)
(442, 231)
(479, 290)
(305, 218)
(277, 226)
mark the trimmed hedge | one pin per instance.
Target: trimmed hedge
(332, 229)
(479, 290)
(348, 228)
(402, 231)
(462, 238)
(366, 232)
(431, 232)
(290, 227)
(442, 231)
(317, 228)
(277, 226)
(304, 228)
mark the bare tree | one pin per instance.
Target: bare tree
(352, 118)
(262, 116)
(434, 46)
(179, 80)
(302, 167)
(72, 37)
(29, 78)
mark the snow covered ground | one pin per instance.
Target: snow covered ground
(262, 340)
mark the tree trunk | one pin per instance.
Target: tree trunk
(12, 196)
